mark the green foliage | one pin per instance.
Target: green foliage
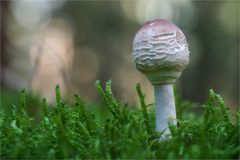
(144, 109)
(73, 132)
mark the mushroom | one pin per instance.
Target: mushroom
(160, 51)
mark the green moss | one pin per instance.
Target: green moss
(72, 132)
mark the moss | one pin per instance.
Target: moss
(72, 132)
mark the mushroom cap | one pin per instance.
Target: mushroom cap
(160, 51)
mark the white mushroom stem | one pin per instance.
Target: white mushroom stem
(165, 108)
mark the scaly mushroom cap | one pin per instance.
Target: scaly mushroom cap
(160, 51)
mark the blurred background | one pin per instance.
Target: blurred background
(75, 43)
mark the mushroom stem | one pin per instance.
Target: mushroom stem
(165, 108)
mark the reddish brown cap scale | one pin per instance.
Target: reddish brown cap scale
(158, 27)
(160, 50)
